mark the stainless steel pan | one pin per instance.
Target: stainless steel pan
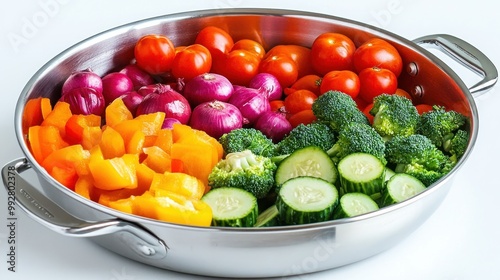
(231, 252)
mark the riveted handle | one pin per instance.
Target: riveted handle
(48, 213)
(467, 55)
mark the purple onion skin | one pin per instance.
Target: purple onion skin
(216, 118)
(114, 85)
(207, 87)
(251, 104)
(84, 101)
(267, 84)
(132, 100)
(82, 79)
(274, 125)
(165, 99)
(138, 76)
(168, 123)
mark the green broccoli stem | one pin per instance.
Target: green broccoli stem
(240, 160)
(447, 141)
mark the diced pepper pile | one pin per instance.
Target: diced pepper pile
(129, 164)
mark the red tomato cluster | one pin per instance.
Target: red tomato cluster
(333, 62)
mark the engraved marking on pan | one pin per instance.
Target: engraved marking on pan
(34, 202)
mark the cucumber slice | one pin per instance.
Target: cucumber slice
(303, 200)
(310, 161)
(354, 204)
(268, 218)
(361, 172)
(232, 207)
(400, 187)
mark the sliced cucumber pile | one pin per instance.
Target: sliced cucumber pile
(361, 172)
(354, 204)
(400, 187)
(232, 207)
(310, 161)
(306, 199)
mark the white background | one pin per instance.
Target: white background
(460, 241)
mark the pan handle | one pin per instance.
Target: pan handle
(48, 213)
(467, 55)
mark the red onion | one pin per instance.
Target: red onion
(250, 102)
(82, 79)
(132, 99)
(163, 98)
(138, 76)
(169, 123)
(268, 84)
(114, 85)
(84, 101)
(208, 87)
(216, 118)
(274, 125)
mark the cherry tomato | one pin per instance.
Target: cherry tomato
(218, 42)
(299, 54)
(310, 82)
(303, 117)
(277, 105)
(154, 53)
(422, 108)
(191, 61)
(403, 92)
(345, 81)
(299, 100)
(332, 51)
(240, 66)
(378, 53)
(282, 67)
(375, 81)
(251, 46)
(366, 111)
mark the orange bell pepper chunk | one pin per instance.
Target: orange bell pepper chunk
(151, 123)
(164, 140)
(180, 183)
(173, 208)
(197, 160)
(135, 143)
(58, 117)
(116, 112)
(77, 124)
(204, 137)
(44, 140)
(123, 205)
(145, 176)
(35, 111)
(67, 163)
(112, 144)
(115, 173)
(157, 159)
(91, 137)
(84, 186)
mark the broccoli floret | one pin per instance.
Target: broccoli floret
(418, 156)
(394, 115)
(357, 137)
(313, 134)
(427, 177)
(440, 125)
(457, 145)
(251, 139)
(337, 109)
(245, 170)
